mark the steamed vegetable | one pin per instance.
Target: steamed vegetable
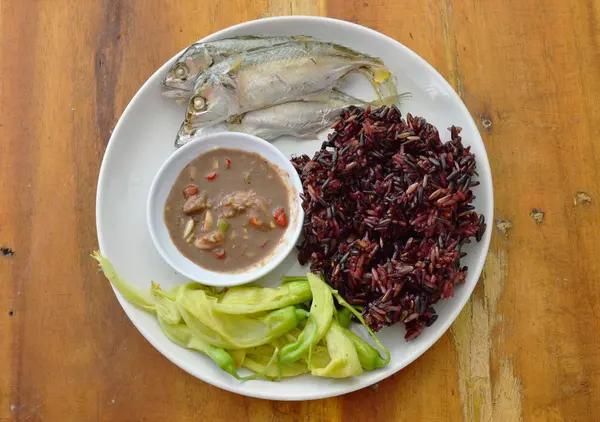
(357, 314)
(166, 308)
(344, 359)
(178, 333)
(321, 311)
(182, 335)
(301, 347)
(248, 300)
(264, 330)
(259, 363)
(133, 295)
(367, 355)
(235, 331)
(344, 317)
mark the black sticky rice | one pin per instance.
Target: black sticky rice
(388, 208)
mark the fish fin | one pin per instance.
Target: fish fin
(379, 76)
(236, 63)
(386, 100)
(391, 99)
(301, 38)
(321, 96)
(389, 84)
(341, 95)
(184, 135)
(353, 53)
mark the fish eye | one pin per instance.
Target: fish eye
(181, 70)
(198, 103)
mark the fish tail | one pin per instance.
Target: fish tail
(386, 100)
(390, 100)
(380, 77)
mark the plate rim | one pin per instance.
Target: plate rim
(341, 388)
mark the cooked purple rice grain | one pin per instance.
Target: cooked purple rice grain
(388, 207)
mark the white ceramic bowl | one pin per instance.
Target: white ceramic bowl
(165, 178)
(143, 140)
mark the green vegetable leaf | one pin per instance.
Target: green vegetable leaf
(321, 312)
(181, 335)
(343, 317)
(367, 355)
(234, 331)
(289, 278)
(357, 314)
(344, 359)
(258, 359)
(166, 308)
(253, 299)
(322, 305)
(136, 297)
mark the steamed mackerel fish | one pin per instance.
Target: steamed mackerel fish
(266, 77)
(179, 82)
(303, 119)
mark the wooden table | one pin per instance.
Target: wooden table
(526, 347)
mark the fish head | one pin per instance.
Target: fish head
(213, 101)
(183, 74)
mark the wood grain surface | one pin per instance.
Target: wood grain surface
(526, 347)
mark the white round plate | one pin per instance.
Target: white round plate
(143, 140)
